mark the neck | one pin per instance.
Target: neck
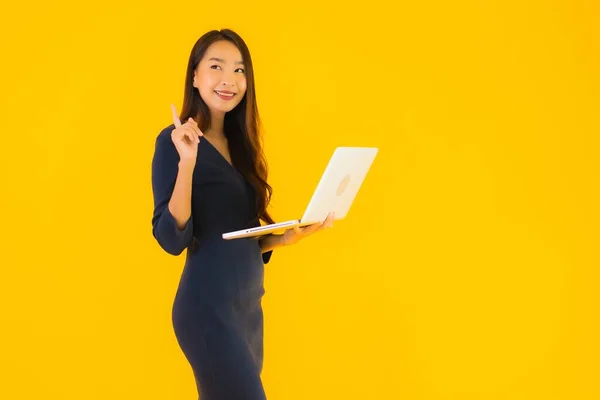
(217, 121)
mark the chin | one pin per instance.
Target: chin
(225, 109)
(222, 109)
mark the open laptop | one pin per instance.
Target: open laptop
(335, 192)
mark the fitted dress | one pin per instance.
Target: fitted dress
(217, 314)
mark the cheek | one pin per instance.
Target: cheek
(242, 85)
(207, 86)
(207, 83)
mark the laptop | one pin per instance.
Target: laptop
(339, 184)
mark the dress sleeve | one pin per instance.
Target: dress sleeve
(267, 256)
(164, 174)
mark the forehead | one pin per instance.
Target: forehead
(224, 50)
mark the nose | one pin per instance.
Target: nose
(228, 79)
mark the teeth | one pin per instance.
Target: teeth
(225, 94)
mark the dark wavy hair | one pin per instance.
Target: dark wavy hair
(241, 125)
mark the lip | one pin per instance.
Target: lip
(218, 93)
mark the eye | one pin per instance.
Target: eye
(241, 69)
(212, 66)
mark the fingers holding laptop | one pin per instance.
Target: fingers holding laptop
(327, 223)
(292, 236)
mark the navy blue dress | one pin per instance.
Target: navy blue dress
(217, 312)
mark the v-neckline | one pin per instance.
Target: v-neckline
(221, 155)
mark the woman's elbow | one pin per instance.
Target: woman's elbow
(171, 247)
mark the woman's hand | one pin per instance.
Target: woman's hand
(292, 236)
(186, 138)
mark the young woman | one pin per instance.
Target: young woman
(209, 176)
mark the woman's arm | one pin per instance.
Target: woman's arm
(180, 204)
(270, 242)
(172, 225)
(294, 235)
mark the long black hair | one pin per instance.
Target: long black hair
(241, 125)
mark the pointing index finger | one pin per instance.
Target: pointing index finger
(176, 120)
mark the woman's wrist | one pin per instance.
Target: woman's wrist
(186, 165)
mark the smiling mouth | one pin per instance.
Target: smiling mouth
(225, 94)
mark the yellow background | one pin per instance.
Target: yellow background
(467, 268)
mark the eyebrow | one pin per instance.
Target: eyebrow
(223, 61)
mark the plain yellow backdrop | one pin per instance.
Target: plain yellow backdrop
(466, 269)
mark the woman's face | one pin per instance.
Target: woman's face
(221, 77)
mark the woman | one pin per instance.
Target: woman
(209, 176)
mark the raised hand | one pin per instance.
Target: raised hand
(186, 138)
